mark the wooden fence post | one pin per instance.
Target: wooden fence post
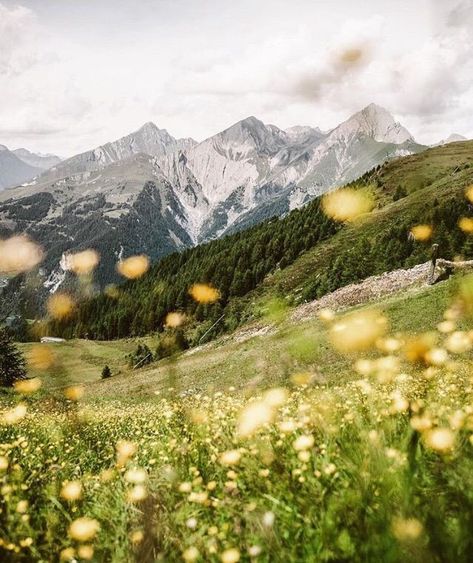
(434, 256)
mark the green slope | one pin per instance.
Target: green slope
(249, 359)
(435, 182)
(299, 257)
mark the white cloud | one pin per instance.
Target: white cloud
(17, 25)
(74, 75)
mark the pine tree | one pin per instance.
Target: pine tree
(106, 372)
(12, 363)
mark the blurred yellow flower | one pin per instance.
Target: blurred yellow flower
(230, 457)
(18, 254)
(326, 315)
(253, 417)
(84, 529)
(347, 204)
(231, 555)
(41, 357)
(417, 347)
(421, 423)
(125, 450)
(440, 439)
(469, 193)
(22, 506)
(133, 267)
(446, 326)
(458, 342)
(83, 263)
(303, 442)
(137, 536)
(74, 393)
(203, 293)
(275, 397)
(185, 487)
(436, 356)
(406, 529)
(254, 550)
(358, 331)
(60, 305)
(67, 554)
(71, 490)
(422, 233)
(27, 386)
(85, 552)
(137, 493)
(136, 476)
(268, 519)
(174, 319)
(466, 224)
(191, 554)
(14, 415)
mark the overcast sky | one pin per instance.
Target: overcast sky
(75, 74)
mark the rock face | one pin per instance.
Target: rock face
(151, 193)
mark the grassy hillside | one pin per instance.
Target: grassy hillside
(269, 448)
(299, 257)
(78, 361)
(258, 356)
(434, 182)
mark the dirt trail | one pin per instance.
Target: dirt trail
(368, 290)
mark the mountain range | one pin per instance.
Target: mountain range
(151, 193)
(21, 165)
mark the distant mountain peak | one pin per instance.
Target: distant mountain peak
(372, 107)
(150, 192)
(251, 120)
(38, 160)
(248, 123)
(301, 133)
(14, 170)
(375, 122)
(453, 138)
(149, 125)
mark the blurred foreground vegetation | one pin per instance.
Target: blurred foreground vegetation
(360, 449)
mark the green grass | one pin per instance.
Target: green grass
(335, 470)
(81, 361)
(257, 362)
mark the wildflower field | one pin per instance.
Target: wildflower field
(374, 465)
(344, 438)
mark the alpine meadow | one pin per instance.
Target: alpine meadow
(222, 339)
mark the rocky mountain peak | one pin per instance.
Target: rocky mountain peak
(375, 122)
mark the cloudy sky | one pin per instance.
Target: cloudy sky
(76, 74)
